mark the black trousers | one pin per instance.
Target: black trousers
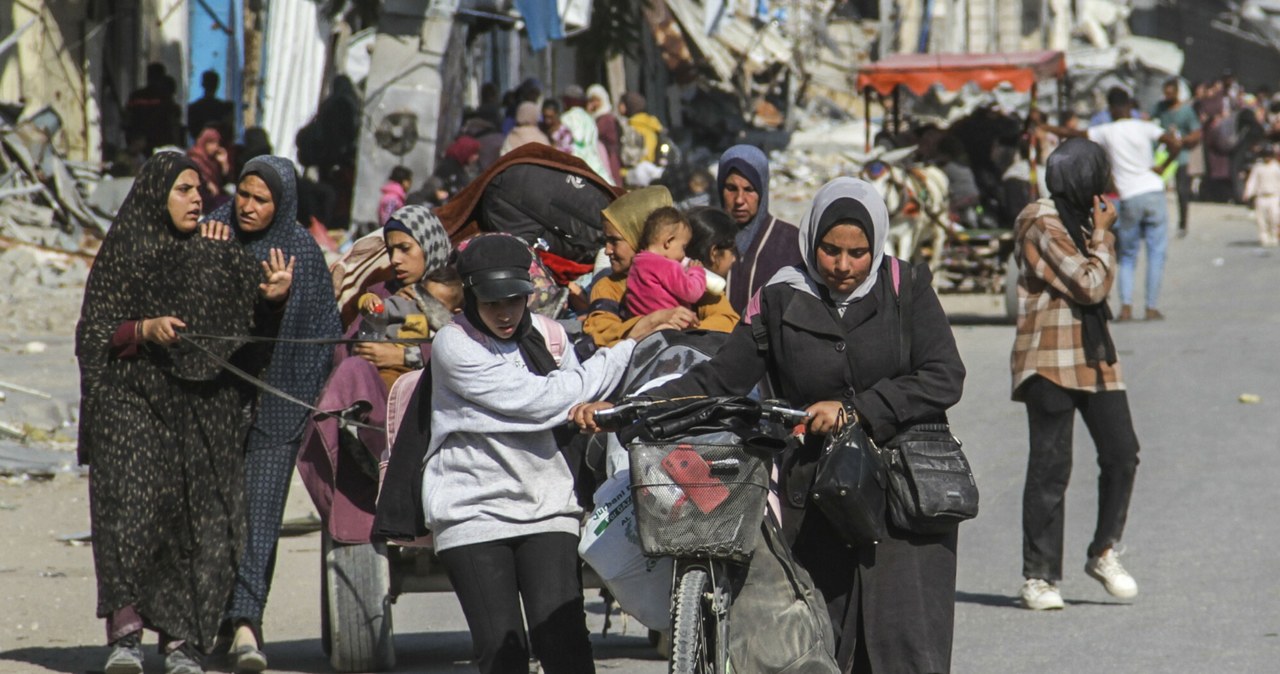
(1183, 181)
(1051, 416)
(492, 579)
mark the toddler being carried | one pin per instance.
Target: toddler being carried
(661, 277)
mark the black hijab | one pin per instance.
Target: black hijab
(1078, 171)
(147, 268)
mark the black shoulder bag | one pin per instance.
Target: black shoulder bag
(931, 486)
(849, 485)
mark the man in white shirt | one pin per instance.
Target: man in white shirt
(1130, 145)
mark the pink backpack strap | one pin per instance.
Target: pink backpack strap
(554, 333)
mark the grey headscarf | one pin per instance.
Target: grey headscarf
(751, 163)
(840, 200)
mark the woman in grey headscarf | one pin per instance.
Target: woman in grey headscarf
(836, 355)
(264, 219)
(765, 243)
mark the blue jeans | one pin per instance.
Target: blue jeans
(1142, 218)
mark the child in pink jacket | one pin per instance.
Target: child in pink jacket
(661, 277)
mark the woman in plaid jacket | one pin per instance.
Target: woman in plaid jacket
(1064, 360)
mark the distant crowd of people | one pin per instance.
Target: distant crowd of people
(623, 143)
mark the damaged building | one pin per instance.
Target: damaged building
(714, 71)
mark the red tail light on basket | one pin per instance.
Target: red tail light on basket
(693, 475)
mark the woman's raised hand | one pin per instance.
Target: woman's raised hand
(218, 231)
(162, 330)
(825, 417)
(279, 276)
(584, 415)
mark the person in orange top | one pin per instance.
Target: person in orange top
(607, 322)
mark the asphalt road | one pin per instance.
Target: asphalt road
(1201, 538)
(1202, 532)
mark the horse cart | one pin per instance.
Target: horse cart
(965, 260)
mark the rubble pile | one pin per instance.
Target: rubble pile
(44, 198)
(41, 290)
(48, 232)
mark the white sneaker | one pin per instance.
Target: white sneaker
(1040, 595)
(1106, 569)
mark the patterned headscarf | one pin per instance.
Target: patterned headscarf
(425, 228)
(311, 311)
(146, 267)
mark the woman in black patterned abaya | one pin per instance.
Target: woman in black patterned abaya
(161, 424)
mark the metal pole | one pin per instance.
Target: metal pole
(1044, 24)
(866, 118)
(993, 26)
(897, 111)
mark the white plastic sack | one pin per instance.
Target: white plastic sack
(611, 545)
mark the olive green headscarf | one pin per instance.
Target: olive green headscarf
(630, 210)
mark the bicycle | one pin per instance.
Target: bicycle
(700, 480)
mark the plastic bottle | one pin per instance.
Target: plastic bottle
(373, 323)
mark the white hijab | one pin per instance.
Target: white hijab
(851, 199)
(598, 91)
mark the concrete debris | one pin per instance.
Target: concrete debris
(76, 539)
(34, 463)
(23, 389)
(41, 288)
(43, 198)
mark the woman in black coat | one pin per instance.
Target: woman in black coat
(827, 336)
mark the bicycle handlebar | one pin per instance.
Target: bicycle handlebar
(628, 411)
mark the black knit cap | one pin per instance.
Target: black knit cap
(496, 267)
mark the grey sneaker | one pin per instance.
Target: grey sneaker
(1106, 569)
(1040, 595)
(179, 661)
(125, 658)
(248, 660)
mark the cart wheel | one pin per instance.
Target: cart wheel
(1011, 288)
(689, 647)
(356, 607)
(326, 638)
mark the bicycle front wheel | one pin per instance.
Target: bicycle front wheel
(690, 624)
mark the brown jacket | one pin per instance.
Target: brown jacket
(1054, 280)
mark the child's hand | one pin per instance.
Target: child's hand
(369, 303)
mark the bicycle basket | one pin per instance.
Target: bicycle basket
(704, 500)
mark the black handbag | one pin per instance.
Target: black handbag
(849, 485)
(931, 486)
